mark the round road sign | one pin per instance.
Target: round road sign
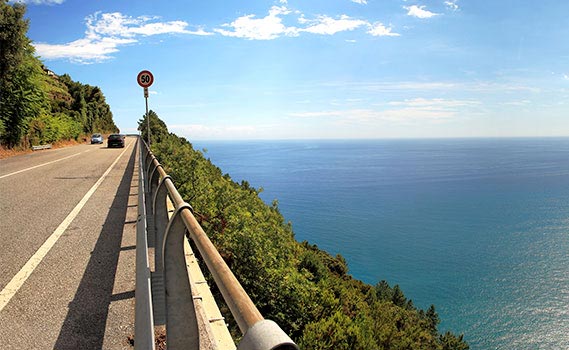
(145, 78)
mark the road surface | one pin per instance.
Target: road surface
(67, 248)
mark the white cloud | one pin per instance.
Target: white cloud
(272, 27)
(436, 109)
(378, 29)
(434, 103)
(318, 114)
(82, 50)
(119, 25)
(491, 87)
(166, 28)
(328, 26)
(266, 28)
(392, 86)
(361, 2)
(106, 32)
(413, 114)
(414, 110)
(519, 103)
(452, 4)
(109, 24)
(421, 87)
(201, 131)
(408, 114)
(419, 12)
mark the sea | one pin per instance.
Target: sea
(477, 227)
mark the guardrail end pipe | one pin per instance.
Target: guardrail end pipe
(266, 335)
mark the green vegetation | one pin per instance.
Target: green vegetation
(37, 106)
(308, 292)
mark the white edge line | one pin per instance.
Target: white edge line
(20, 278)
(40, 165)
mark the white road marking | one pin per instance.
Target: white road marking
(18, 280)
(37, 166)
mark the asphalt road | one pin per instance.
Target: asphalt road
(67, 248)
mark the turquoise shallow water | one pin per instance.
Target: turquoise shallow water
(478, 227)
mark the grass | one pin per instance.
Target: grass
(16, 151)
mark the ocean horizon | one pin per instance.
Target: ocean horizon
(476, 226)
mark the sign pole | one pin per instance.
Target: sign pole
(145, 79)
(147, 117)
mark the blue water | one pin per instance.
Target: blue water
(478, 227)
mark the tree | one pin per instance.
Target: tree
(450, 341)
(383, 291)
(398, 297)
(21, 95)
(432, 318)
(88, 107)
(158, 129)
(13, 40)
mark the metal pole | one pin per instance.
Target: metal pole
(147, 121)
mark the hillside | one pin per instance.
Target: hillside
(36, 105)
(308, 292)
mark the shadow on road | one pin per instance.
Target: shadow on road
(84, 326)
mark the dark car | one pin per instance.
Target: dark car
(115, 140)
(96, 138)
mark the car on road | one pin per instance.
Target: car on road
(116, 140)
(96, 138)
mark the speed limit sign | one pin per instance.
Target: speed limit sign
(145, 78)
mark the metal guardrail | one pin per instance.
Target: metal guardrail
(181, 325)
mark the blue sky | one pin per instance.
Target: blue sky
(319, 69)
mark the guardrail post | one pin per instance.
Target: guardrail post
(143, 324)
(160, 220)
(147, 157)
(153, 176)
(181, 321)
(148, 169)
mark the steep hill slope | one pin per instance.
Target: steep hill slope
(308, 292)
(36, 105)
